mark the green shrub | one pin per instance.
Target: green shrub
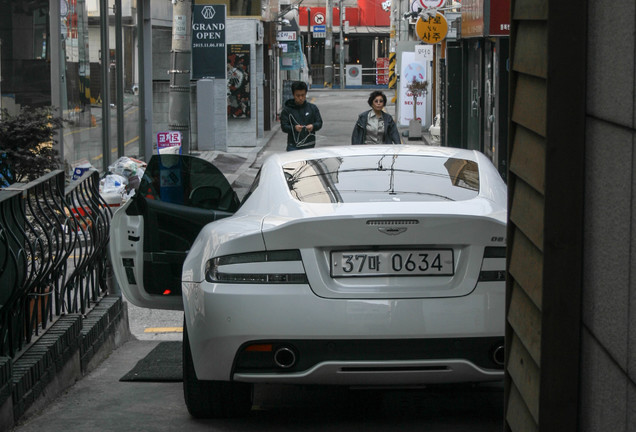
(27, 147)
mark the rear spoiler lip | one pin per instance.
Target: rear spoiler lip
(273, 222)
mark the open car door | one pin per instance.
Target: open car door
(151, 234)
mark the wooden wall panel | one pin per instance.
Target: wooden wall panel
(525, 319)
(529, 107)
(531, 49)
(528, 158)
(526, 267)
(517, 415)
(526, 376)
(545, 204)
(527, 212)
(529, 10)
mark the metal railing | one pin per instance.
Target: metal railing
(369, 75)
(53, 257)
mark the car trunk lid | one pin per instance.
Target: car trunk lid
(394, 256)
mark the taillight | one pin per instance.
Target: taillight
(271, 267)
(493, 267)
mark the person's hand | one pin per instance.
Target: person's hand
(310, 127)
(299, 128)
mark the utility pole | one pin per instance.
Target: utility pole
(119, 79)
(329, 46)
(179, 100)
(309, 42)
(342, 17)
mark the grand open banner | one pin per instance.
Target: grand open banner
(208, 41)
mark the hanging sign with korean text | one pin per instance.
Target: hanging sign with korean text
(433, 30)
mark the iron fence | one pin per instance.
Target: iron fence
(370, 75)
(53, 257)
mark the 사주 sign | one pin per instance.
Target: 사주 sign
(208, 41)
(433, 29)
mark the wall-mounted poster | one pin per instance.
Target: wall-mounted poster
(238, 81)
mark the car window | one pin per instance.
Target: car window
(372, 178)
(189, 181)
(253, 187)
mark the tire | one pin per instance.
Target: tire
(212, 399)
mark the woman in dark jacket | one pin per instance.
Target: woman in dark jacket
(375, 126)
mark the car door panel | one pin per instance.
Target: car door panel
(152, 234)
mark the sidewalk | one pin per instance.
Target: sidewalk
(236, 161)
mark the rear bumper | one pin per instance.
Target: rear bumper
(222, 319)
(391, 373)
(371, 362)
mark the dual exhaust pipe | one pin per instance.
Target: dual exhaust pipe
(498, 355)
(284, 357)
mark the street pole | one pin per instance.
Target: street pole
(309, 42)
(179, 98)
(329, 46)
(119, 79)
(342, 76)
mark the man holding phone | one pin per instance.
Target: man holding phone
(300, 119)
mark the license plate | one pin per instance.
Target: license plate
(417, 262)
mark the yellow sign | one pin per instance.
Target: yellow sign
(432, 30)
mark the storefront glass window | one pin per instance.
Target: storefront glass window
(244, 7)
(81, 82)
(25, 77)
(130, 104)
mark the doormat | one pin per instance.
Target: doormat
(162, 364)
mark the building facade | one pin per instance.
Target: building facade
(476, 81)
(65, 54)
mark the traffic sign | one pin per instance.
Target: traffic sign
(319, 18)
(427, 4)
(433, 30)
(319, 31)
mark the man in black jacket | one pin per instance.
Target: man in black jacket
(299, 119)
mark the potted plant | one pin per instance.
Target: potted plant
(417, 89)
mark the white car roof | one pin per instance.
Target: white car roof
(492, 188)
(352, 150)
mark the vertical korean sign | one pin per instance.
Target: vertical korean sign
(208, 41)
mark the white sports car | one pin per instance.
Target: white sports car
(357, 265)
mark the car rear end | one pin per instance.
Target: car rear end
(367, 281)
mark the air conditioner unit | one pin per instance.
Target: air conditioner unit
(353, 75)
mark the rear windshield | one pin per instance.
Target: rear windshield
(381, 178)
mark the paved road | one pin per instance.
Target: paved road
(100, 402)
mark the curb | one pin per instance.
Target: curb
(68, 350)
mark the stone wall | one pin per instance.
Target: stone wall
(608, 336)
